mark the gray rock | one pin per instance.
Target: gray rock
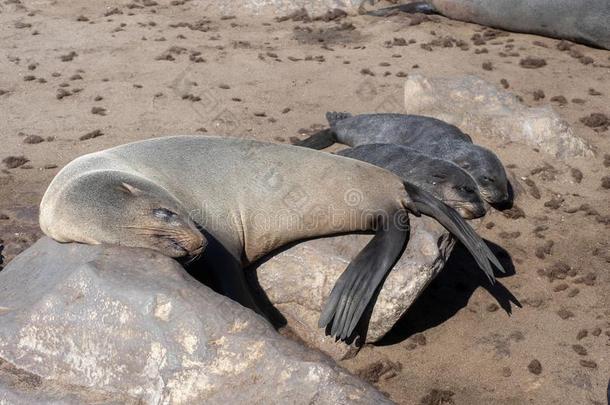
(481, 109)
(105, 324)
(298, 280)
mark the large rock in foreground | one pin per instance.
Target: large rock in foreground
(102, 324)
(298, 280)
(479, 108)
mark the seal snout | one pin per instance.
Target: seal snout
(194, 243)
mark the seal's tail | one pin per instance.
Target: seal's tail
(430, 206)
(333, 117)
(320, 140)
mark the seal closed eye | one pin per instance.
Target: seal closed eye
(250, 198)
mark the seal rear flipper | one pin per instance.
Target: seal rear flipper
(430, 206)
(333, 117)
(320, 140)
(359, 282)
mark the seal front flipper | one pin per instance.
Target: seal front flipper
(454, 223)
(363, 276)
(320, 140)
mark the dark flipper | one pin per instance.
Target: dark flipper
(333, 117)
(363, 276)
(319, 140)
(428, 205)
(415, 7)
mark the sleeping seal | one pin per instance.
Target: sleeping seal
(552, 18)
(426, 135)
(441, 178)
(251, 197)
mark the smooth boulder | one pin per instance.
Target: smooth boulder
(481, 109)
(105, 324)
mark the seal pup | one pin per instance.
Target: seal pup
(443, 179)
(552, 18)
(426, 135)
(251, 197)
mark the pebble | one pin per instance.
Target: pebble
(535, 367)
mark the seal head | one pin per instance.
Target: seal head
(486, 170)
(120, 208)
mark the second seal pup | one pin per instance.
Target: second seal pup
(426, 135)
(443, 179)
(251, 197)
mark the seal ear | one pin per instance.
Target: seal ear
(129, 189)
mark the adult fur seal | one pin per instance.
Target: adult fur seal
(426, 135)
(441, 178)
(252, 197)
(563, 19)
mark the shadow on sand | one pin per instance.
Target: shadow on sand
(450, 291)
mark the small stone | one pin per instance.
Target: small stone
(504, 83)
(50, 166)
(21, 25)
(535, 367)
(12, 162)
(286, 110)
(538, 95)
(493, 307)
(593, 92)
(260, 114)
(367, 71)
(411, 346)
(487, 66)
(560, 287)
(588, 363)
(596, 120)
(581, 334)
(573, 292)
(224, 86)
(561, 100)
(438, 397)
(506, 372)
(532, 62)
(419, 338)
(606, 182)
(61, 93)
(534, 302)
(68, 57)
(90, 135)
(596, 332)
(580, 350)
(98, 111)
(32, 139)
(565, 314)
(514, 213)
(29, 78)
(576, 174)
